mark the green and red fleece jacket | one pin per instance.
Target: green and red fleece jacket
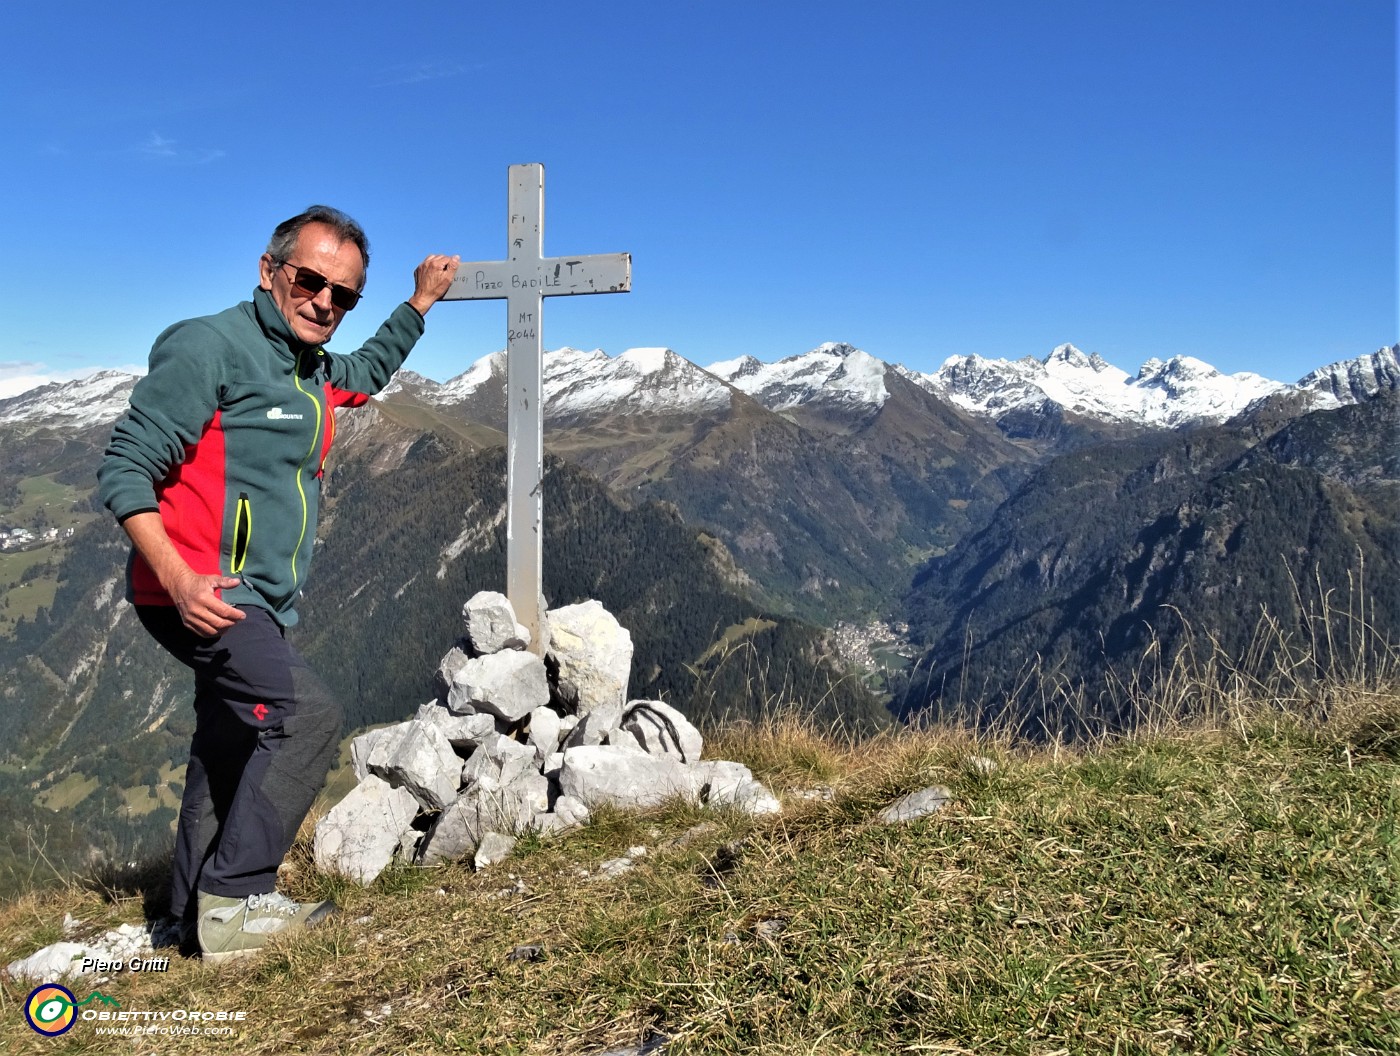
(226, 438)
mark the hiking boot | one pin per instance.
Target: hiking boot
(235, 927)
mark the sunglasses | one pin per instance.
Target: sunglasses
(313, 282)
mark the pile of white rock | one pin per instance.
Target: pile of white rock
(127, 948)
(517, 742)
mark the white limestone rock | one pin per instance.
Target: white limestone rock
(486, 806)
(59, 961)
(626, 741)
(594, 653)
(491, 624)
(510, 685)
(568, 813)
(596, 727)
(424, 763)
(544, 734)
(916, 805)
(512, 807)
(552, 767)
(454, 835)
(726, 783)
(754, 798)
(502, 779)
(451, 663)
(721, 779)
(494, 847)
(662, 730)
(373, 748)
(461, 731)
(512, 758)
(359, 835)
(598, 774)
(116, 946)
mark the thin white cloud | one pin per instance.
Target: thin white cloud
(418, 72)
(169, 150)
(158, 146)
(19, 377)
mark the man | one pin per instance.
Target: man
(215, 474)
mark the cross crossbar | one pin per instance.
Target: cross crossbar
(551, 276)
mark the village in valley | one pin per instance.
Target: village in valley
(877, 646)
(42, 518)
(27, 539)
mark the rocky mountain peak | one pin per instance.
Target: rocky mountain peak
(1070, 356)
(95, 399)
(730, 369)
(1354, 380)
(832, 373)
(1067, 354)
(409, 382)
(1178, 374)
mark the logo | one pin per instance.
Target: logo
(260, 711)
(276, 414)
(52, 1010)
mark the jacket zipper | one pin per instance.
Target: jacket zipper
(310, 453)
(242, 532)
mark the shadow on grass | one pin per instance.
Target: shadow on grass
(147, 878)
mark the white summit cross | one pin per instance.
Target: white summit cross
(523, 280)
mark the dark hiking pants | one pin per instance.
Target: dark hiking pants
(266, 732)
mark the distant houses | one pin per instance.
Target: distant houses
(24, 538)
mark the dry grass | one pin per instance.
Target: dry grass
(1224, 879)
(1327, 654)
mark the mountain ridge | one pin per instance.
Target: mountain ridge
(579, 385)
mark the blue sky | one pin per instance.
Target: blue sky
(1214, 178)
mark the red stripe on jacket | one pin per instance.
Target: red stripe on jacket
(191, 502)
(336, 398)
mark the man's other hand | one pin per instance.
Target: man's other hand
(201, 608)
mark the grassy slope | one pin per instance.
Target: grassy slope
(24, 591)
(1232, 888)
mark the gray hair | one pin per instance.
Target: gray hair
(284, 239)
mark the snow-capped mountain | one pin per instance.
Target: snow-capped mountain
(834, 381)
(1180, 391)
(94, 400)
(582, 385)
(1354, 380)
(641, 380)
(834, 374)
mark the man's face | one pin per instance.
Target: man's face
(319, 248)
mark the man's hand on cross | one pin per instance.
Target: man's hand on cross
(432, 279)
